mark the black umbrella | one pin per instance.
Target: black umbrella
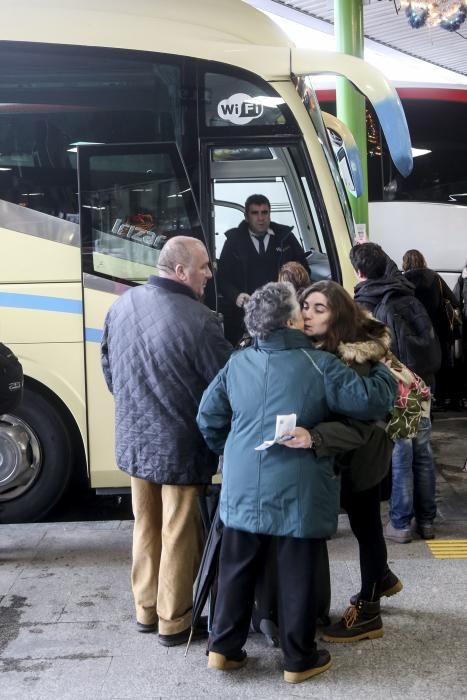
(206, 580)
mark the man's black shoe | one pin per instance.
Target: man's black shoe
(141, 627)
(175, 640)
(323, 662)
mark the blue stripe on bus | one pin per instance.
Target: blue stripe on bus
(93, 335)
(34, 301)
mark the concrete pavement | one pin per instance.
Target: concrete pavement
(67, 623)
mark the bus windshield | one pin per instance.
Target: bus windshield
(310, 102)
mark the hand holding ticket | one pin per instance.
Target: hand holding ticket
(284, 424)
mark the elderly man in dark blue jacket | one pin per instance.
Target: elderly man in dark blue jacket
(161, 348)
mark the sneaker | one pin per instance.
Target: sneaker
(142, 627)
(360, 621)
(227, 663)
(322, 664)
(390, 585)
(175, 640)
(426, 532)
(400, 535)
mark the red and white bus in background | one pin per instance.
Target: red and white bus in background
(428, 209)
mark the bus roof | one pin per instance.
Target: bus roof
(168, 26)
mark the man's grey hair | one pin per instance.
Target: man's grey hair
(177, 251)
(269, 308)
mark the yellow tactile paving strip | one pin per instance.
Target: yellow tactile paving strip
(448, 549)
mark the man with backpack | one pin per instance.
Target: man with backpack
(384, 291)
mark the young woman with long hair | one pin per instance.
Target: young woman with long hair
(335, 323)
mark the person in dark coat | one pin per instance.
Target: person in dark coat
(363, 451)
(288, 495)
(431, 290)
(392, 301)
(252, 255)
(460, 292)
(161, 348)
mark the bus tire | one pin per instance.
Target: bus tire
(49, 442)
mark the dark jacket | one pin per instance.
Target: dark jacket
(242, 269)
(283, 491)
(362, 449)
(431, 289)
(460, 292)
(161, 348)
(392, 301)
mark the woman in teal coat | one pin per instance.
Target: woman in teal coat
(288, 494)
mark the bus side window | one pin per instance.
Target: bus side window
(133, 201)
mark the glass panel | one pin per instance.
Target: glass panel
(260, 153)
(439, 150)
(236, 101)
(131, 203)
(53, 98)
(440, 154)
(237, 192)
(285, 181)
(310, 102)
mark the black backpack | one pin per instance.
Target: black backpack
(415, 342)
(11, 380)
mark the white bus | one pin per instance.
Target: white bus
(122, 124)
(428, 209)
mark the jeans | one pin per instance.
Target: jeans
(413, 479)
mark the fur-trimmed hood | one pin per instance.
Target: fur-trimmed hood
(361, 351)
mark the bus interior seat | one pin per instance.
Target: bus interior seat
(319, 265)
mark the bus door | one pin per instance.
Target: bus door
(280, 173)
(132, 199)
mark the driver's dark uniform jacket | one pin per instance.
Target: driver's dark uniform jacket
(161, 348)
(242, 269)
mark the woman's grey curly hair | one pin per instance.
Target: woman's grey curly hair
(269, 308)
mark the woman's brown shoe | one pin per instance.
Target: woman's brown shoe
(360, 621)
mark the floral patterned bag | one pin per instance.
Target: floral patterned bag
(412, 402)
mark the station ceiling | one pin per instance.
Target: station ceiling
(386, 23)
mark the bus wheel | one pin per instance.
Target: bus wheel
(35, 459)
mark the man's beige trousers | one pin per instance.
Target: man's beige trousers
(167, 548)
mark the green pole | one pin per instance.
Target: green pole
(348, 27)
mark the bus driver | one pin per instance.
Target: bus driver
(252, 255)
